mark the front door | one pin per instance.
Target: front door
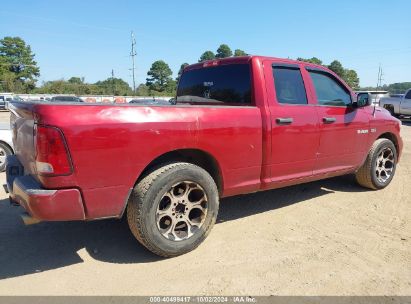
(344, 129)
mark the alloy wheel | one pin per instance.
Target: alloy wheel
(182, 211)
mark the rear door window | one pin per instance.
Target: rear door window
(289, 85)
(218, 85)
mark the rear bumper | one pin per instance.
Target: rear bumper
(42, 204)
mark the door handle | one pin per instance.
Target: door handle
(329, 120)
(284, 121)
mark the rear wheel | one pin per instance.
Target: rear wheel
(379, 167)
(172, 209)
(4, 152)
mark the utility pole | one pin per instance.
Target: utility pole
(133, 54)
(380, 79)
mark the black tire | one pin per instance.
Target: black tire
(5, 151)
(367, 176)
(143, 206)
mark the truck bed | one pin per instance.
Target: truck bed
(111, 144)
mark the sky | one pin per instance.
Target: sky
(91, 38)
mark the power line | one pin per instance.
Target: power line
(133, 54)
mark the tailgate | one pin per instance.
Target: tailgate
(22, 125)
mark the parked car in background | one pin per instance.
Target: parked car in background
(238, 125)
(6, 144)
(375, 96)
(149, 101)
(66, 99)
(398, 105)
(10, 99)
(3, 97)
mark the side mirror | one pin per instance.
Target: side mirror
(363, 100)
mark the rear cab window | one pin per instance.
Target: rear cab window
(225, 85)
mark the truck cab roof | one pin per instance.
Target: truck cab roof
(247, 59)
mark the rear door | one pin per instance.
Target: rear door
(344, 129)
(294, 122)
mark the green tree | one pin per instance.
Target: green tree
(159, 76)
(337, 68)
(207, 55)
(314, 60)
(171, 87)
(55, 87)
(78, 86)
(113, 86)
(7, 78)
(76, 80)
(393, 88)
(18, 58)
(224, 51)
(351, 78)
(239, 52)
(142, 90)
(74, 85)
(180, 71)
(399, 87)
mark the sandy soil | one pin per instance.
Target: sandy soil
(329, 237)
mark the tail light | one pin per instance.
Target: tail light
(52, 157)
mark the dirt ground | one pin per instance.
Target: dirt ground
(329, 237)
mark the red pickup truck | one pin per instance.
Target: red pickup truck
(237, 125)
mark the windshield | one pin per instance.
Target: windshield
(225, 85)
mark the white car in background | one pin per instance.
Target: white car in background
(6, 98)
(398, 106)
(6, 144)
(375, 96)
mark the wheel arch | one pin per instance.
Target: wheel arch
(193, 156)
(392, 137)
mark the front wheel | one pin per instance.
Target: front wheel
(172, 209)
(379, 167)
